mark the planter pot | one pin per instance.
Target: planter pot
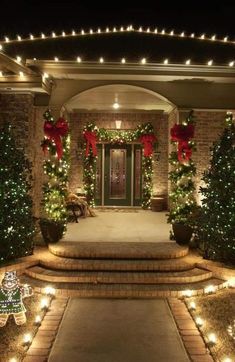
(182, 233)
(52, 231)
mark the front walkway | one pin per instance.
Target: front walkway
(122, 225)
(119, 331)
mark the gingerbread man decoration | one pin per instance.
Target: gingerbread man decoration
(11, 299)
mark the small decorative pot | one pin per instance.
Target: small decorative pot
(52, 231)
(182, 233)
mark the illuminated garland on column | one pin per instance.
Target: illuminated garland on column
(56, 166)
(182, 199)
(143, 134)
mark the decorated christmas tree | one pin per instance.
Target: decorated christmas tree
(16, 219)
(182, 195)
(217, 222)
(56, 146)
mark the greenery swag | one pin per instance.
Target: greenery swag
(143, 134)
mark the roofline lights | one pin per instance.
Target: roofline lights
(122, 29)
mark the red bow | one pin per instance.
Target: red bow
(148, 140)
(91, 139)
(54, 132)
(182, 134)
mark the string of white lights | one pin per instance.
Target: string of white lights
(122, 29)
(143, 61)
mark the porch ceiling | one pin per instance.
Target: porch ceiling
(128, 97)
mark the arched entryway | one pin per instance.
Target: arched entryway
(119, 107)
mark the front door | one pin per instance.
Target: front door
(117, 175)
(118, 178)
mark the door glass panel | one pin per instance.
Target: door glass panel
(137, 174)
(118, 173)
(98, 174)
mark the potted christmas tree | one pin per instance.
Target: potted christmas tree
(182, 199)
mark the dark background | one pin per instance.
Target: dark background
(34, 16)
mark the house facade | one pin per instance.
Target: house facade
(114, 95)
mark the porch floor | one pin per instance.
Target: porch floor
(120, 225)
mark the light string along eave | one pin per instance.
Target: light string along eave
(121, 29)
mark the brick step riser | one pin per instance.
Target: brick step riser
(119, 280)
(109, 267)
(123, 293)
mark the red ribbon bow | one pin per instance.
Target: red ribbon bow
(182, 134)
(148, 140)
(91, 139)
(54, 132)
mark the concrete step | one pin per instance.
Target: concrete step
(118, 250)
(114, 277)
(124, 290)
(60, 263)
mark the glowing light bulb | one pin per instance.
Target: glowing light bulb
(43, 36)
(209, 289)
(18, 58)
(172, 32)
(101, 60)
(107, 30)
(73, 32)
(213, 37)
(99, 31)
(27, 338)
(231, 283)
(227, 359)
(148, 30)
(31, 36)
(123, 61)
(143, 60)
(45, 75)
(19, 38)
(212, 338)
(225, 39)
(140, 29)
(182, 34)
(91, 31)
(56, 59)
(165, 61)
(202, 36)
(199, 322)
(192, 35)
(82, 32)
(155, 31)
(50, 290)
(7, 39)
(1, 74)
(0, 47)
(192, 306)
(231, 64)
(38, 319)
(63, 33)
(114, 30)
(21, 74)
(53, 34)
(79, 60)
(116, 105)
(44, 303)
(187, 293)
(13, 359)
(210, 62)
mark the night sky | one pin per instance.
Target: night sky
(35, 16)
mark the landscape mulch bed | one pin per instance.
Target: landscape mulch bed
(218, 312)
(11, 336)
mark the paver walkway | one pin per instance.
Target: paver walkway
(118, 330)
(139, 226)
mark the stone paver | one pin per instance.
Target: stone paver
(189, 332)
(118, 330)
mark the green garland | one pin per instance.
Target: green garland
(118, 137)
(182, 198)
(55, 189)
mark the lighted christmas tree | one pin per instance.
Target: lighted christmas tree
(217, 222)
(56, 146)
(182, 195)
(16, 219)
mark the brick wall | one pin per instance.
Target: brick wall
(209, 126)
